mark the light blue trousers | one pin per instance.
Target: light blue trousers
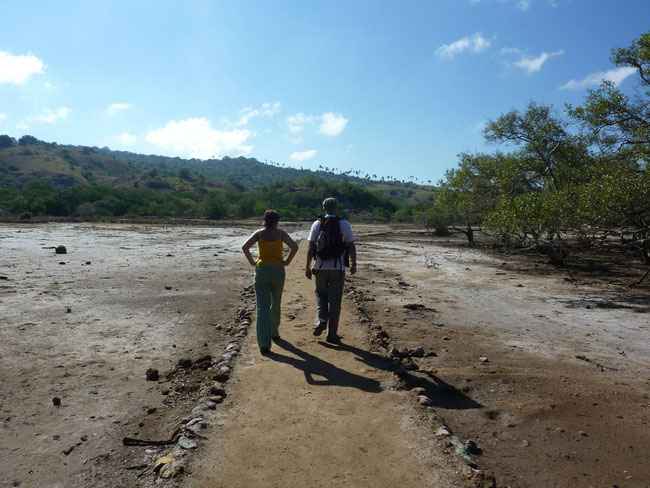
(269, 283)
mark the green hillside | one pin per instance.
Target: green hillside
(41, 178)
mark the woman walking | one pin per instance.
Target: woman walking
(269, 276)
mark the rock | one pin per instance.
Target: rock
(185, 363)
(221, 376)
(417, 352)
(443, 432)
(88, 263)
(216, 398)
(152, 374)
(61, 262)
(186, 443)
(152, 410)
(217, 389)
(56, 401)
(60, 250)
(472, 448)
(425, 400)
(211, 405)
(582, 433)
(431, 354)
(524, 443)
(418, 389)
(199, 410)
(168, 287)
(484, 359)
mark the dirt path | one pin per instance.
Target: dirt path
(313, 414)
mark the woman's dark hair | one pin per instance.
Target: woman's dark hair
(271, 217)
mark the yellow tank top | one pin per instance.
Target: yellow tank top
(270, 252)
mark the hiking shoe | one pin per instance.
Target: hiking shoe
(333, 340)
(265, 350)
(318, 330)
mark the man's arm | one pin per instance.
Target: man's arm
(310, 256)
(352, 251)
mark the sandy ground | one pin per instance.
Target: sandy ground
(549, 377)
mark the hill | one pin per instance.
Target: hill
(35, 174)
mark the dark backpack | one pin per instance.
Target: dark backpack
(329, 244)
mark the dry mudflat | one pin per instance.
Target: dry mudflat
(543, 375)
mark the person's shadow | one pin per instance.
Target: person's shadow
(313, 366)
(442, 394)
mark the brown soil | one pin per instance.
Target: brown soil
(547, 372)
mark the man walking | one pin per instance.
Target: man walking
(331, 243)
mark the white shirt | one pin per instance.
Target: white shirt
(348, 237)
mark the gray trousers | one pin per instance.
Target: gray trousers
(329, 293)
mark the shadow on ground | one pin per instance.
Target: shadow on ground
(312, 366)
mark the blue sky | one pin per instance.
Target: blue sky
(388, 88)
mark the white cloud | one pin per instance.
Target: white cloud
(267, 110)
(127, 139)
(523, 4)
(117, 107)
(298, 122)
(333, 124)
(47, 116)
(616, 76)
(3, 116)
(18, 69)
(530, 64)
(301, 156)
(476, 43)
(197, 138)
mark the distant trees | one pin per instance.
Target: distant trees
(6, 141)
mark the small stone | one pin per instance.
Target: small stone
(186, 443)
(168, 288)
(425, 400)
(582, 433)
(185, 363)
(524, 443)
(443, 432)
(417, 352)
(151, 410)
(559, 429)
(68, 310)
(56, 401)
(60, 250)
(216, 399)
(217, 389)
(199, 410)
(152, 374)
(211, 405)
(88, 263)
(418, 389)
(445, 338)
(221, 376)
(61, 262)
(484, 359)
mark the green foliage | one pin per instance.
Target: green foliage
(557, 183)
(6, 141)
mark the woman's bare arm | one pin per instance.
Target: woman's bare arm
(247, 246)
(293, 247)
